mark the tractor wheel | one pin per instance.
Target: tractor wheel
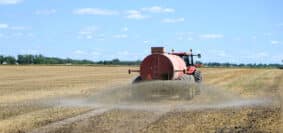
(191, 89)
(198, 76)
(137, 80)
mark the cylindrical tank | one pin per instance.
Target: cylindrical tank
(162, 66)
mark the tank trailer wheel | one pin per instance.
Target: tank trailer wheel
(190, 93)
(137, 79)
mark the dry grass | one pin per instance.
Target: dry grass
(19, 83)
(22, 88)
(227, 120)
(247, 82)
(34, 119)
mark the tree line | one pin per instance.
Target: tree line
(118, 62)
(241, 65)
(40, 59)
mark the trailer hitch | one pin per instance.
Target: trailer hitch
(130, 71)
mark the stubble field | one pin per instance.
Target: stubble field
(49, 99)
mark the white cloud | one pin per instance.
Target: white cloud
(19, 28)
(150, 43)
(46, 12)
(83, 35)
(95, 53)
(185, 36)
(158, 9)
(190, 38)
(254, 37)
(100, 37)
(80, 52)
(31, 35)
(275, 42)
(95, 11)
(90, 32)
(9, 2)
(87, 54)
(172, 20)
(123, 53)
(261, 55)
(18, 34)
(237, 38)
(4, 26)
(255, 56)
(145, 41)
(251, 57)
(220, 53)
(124, 29)
(267, 34)
(211, 36)
(120, 36)
(135, 14)
(29, 51)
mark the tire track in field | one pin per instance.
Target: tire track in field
(241, 79)
(117, 119)
(138, 121)
(59, 124)
(226, 75)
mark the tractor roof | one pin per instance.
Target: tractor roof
(181, 53)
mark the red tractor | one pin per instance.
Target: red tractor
(168, 66)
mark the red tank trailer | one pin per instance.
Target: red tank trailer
(160, 65)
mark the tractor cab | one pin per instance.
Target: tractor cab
(189, 60)
(187, 57)
(191, 66)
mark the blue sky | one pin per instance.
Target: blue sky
(238, 31)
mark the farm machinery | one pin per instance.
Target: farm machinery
(174, 74)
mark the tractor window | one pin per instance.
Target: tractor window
(187, 59)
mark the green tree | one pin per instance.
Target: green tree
(10, 60)
(39, 59)
(26, 59)
(1, 59)
(115, 61)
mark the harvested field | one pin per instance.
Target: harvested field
(35, 98)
